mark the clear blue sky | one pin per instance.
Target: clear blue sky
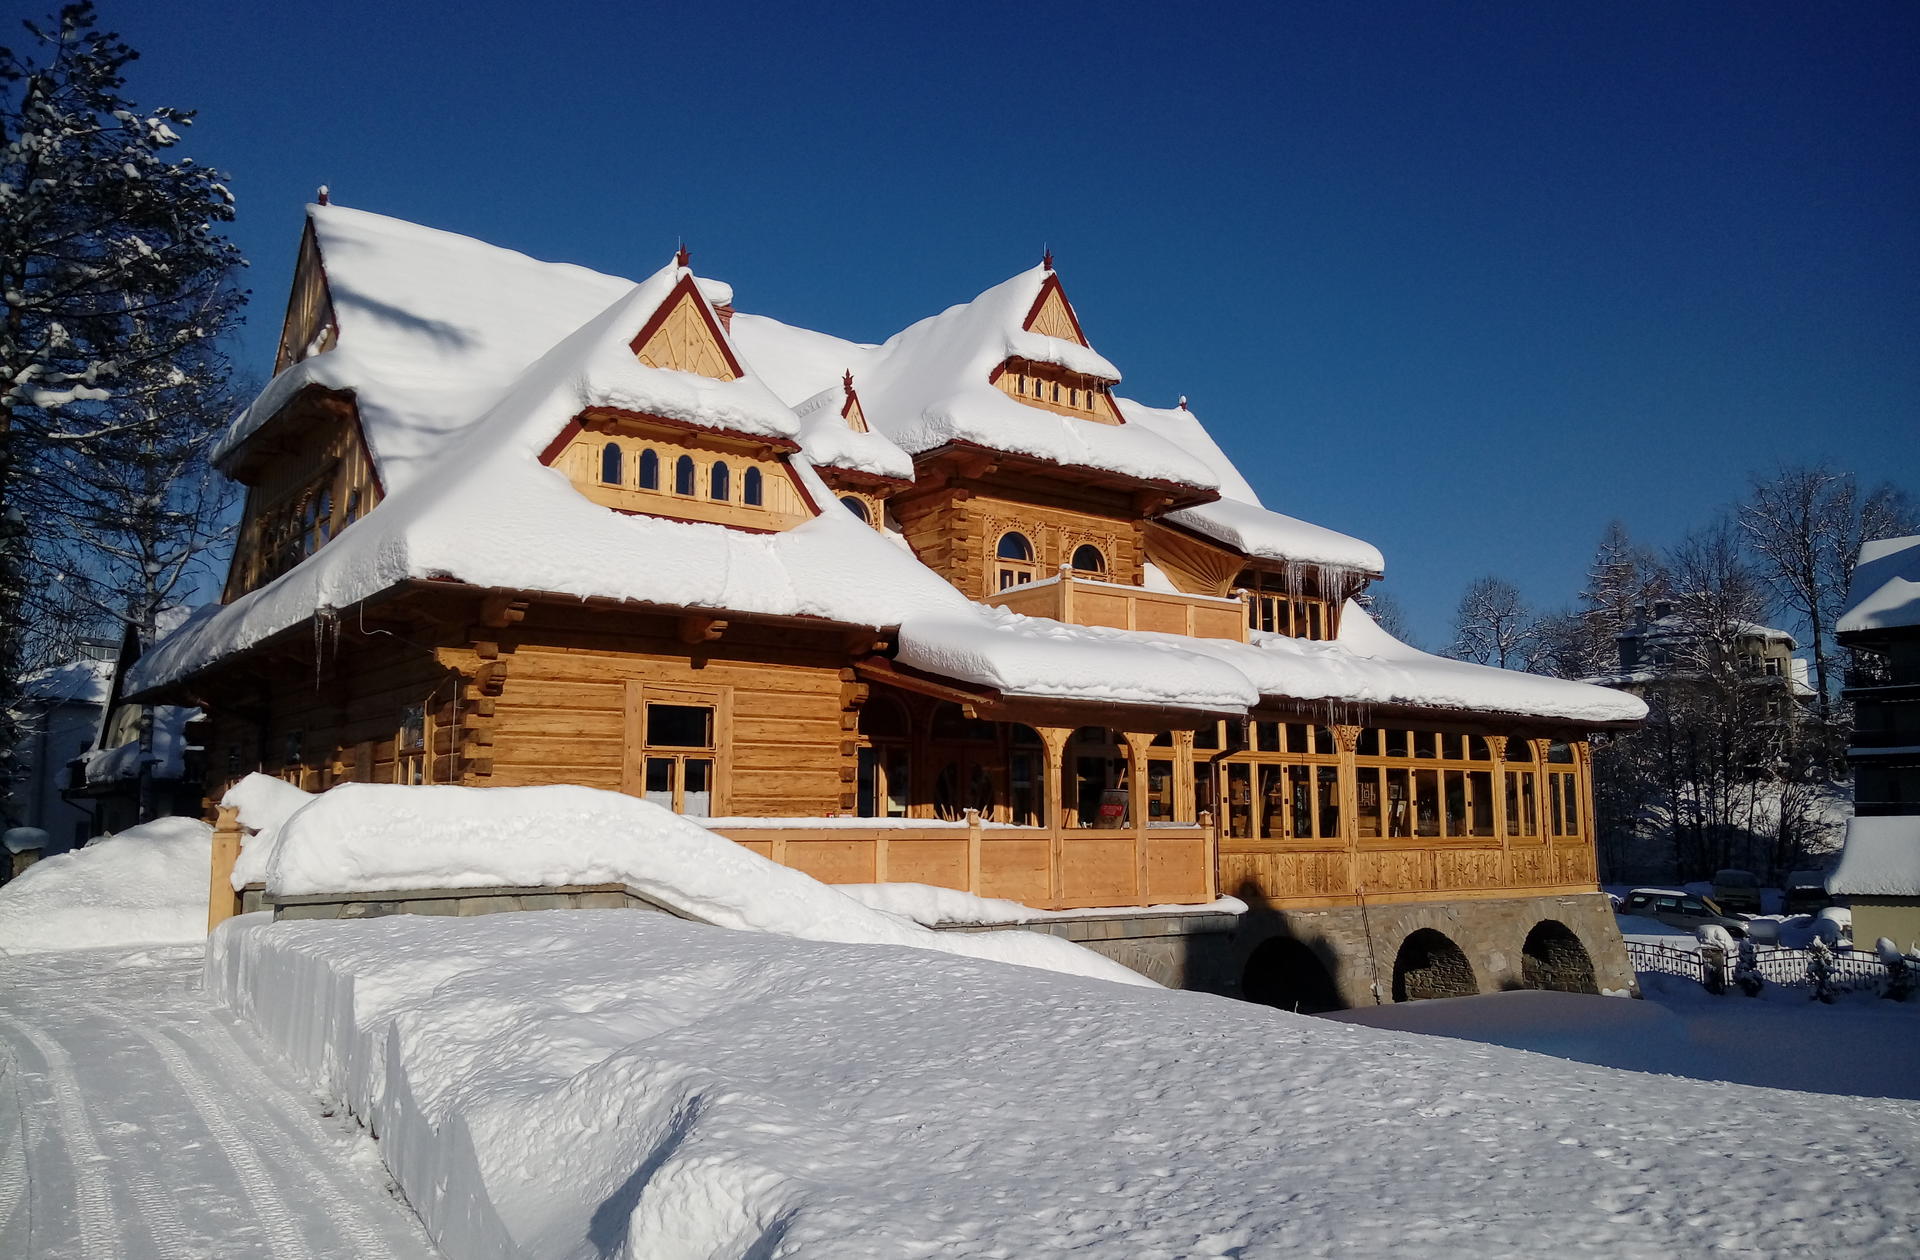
(1467, 280)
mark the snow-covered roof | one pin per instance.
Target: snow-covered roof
(930, 386)
(81, 681)
(1678, 626)
(1881, 858)
(493, 515)
(1886, 586)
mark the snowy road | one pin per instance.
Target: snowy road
(139, 1123)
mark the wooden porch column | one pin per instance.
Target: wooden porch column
(222, 902)
(1053, 743)
(1139, 745)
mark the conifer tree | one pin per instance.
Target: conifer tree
(113, 285)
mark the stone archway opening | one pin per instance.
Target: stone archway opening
(1285, 972)
(1553, 958)
(1430, 965)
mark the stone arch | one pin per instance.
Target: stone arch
(1554, 958)
(1287, 973)
(1430, 965)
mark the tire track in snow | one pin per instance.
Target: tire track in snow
(235, 1063)
(92, 1196)
(16, 1189)
(266, 1200)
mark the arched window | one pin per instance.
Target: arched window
(683, 475)
(1087, 559)
(649, 469)
(719, 481)
(1014, 561)
(856, 507)
(610, 464)
(750, 487)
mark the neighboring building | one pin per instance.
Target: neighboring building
(1746, 672)
(107, 772)
(511, 522)
(1880, 867)
(60, 711)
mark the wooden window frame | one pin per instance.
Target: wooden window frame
(633, 763)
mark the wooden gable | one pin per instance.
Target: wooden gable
(856, 418)
(1052, 315)
(309, 326)
(683, 335)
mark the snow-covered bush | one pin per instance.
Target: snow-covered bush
(145, 886)
(1746, 971)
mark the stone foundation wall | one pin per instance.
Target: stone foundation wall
(1359, 949)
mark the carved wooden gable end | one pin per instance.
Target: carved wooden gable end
(683, 335)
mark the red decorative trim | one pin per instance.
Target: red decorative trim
(560, 443)
(665, 308)
(1052, 285)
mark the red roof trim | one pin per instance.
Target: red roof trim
(659, 317)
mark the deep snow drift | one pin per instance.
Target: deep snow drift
(613, 1084)
(145, 886)
(370, 837)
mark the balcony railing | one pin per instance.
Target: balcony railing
(1085, 602)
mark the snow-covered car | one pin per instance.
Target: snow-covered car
(1807, 892)
(1680, 909)
(1737, 891)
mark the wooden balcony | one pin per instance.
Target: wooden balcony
(1047, 868)
(1085, 602)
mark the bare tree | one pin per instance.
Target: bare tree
(1805, 525)
(1494, 626)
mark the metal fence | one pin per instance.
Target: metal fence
(1850, 969)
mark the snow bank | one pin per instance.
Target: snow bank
(145, 886)
(265, 803)
(575, 1084)
(1881, 858)
(368, 837)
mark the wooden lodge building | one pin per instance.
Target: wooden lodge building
(947, 609)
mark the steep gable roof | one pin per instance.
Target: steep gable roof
(1886, 586)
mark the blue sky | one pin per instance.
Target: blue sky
(1467, 280)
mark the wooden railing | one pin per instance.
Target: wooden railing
(1047, 868)
(1084, 602)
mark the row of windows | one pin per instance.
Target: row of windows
(301, 525)
(1014, 563)
(1051, 391)
(686, 476)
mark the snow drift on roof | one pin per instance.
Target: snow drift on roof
(1881, 858)
(827, 439)
(1237, 518)
(1886, 586)
(930, 385)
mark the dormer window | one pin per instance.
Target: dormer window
(858, 508)
(1088, 558)
(649, 469)
(719, 482)
(683, 475)
(1053, 388)
(611, 464)
(750, 488)
(1013, 561)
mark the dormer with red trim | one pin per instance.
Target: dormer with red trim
(1049, 386)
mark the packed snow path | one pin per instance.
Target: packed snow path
(140, 1122)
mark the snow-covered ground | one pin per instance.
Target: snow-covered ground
(139, 1122)
(1860, 1045)
(611, 1083)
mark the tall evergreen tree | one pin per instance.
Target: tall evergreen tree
(113, 282)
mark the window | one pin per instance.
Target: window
(1279, 605)
(683, 475)
(885, 777)
(612, 469)
(856, 507)
(410, 746)
(720, 481)
(750, 489)
(678, 756)
(1014, 561)
(649, 470)
(1087, 559)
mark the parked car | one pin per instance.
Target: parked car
(1679, 909)
(1738, 891)
(1807, 892)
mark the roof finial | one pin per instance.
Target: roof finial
(681, 257)
(321, 194)
(1183, 402)
(846, 382)
(1046, 257)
